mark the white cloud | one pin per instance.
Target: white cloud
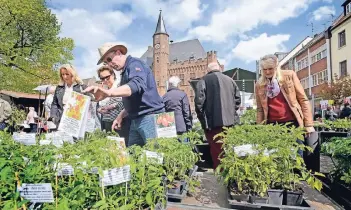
(257, 47)
(323, 12)
(89, 31)
(245, 15)
(178, 14)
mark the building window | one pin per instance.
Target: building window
(319, 78)
(181, 77)
(301, 64)
(348, 8)
(158, 83)
(342, 39)
(304, 83)
(324, 53)
(343, 68)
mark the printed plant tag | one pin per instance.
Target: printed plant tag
(37, 193)
(25, 138)
(116, 176)
(154, 155)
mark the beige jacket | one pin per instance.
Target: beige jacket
(294, 95)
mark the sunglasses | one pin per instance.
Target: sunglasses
(109, 59)
(105, 78)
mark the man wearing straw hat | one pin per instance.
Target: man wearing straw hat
(138, 90)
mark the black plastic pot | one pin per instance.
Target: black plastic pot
(192, 171)
(275, 197)
(293, 198)
(239, 197)
(258, 199)
(178, 188)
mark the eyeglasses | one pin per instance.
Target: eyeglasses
(105, 78)
(109, 59)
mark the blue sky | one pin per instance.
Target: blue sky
(239, 30)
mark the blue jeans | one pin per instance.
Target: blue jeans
(141, 129)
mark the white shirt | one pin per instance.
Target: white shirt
(68, 94)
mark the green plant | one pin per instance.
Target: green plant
(17, 117)
(340, 151)
(178, 159)
(82, 189)
(270, 163)
(249, 117)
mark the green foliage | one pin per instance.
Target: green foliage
(340, 150)
(249, 117)
(336, 125)
(271, 165)
(178, 159)
(17, 117)
(30, 45)
(38, 164)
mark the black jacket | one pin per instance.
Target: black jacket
(217, 98)
(176, 101)
(57, 104)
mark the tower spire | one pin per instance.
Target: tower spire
(160, 28)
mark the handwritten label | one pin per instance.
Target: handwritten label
(64, 169)
(24, 138)
(154, 156)
(115, 176)
(37, 193)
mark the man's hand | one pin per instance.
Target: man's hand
(98, 92)
(117, 123)
(102, 110)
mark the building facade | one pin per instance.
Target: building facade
(340, 42)
(187, 60)
(312, 64)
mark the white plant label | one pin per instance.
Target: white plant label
(25, 138)
(154, 155)
(37, 193)
(116, 176)
(64, 169)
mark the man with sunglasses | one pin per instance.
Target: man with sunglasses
(138, 91)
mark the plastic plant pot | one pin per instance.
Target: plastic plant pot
(293, 198)
(275, 197)
(258, 199)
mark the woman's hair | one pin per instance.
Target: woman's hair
(72, 71)
(106, 68)
(269, 60)
(174, 81)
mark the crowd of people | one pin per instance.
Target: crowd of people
(127, 99)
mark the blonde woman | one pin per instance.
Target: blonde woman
(69, 81)
(281, 98)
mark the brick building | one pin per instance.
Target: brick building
(186, 59)
(312, 64)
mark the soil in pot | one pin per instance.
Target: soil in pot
(292, 198)
(275, 197)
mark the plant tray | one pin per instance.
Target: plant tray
(243, 205)
(337, 191)
(246, 206)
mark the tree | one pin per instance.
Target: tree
(339, 89)
(30, 47)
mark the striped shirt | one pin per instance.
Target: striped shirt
(112, 114)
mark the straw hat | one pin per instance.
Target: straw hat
(109, 47)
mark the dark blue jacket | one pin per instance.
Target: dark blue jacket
(145, 98)
(177, 101)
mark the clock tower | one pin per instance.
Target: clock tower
(161, 55)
